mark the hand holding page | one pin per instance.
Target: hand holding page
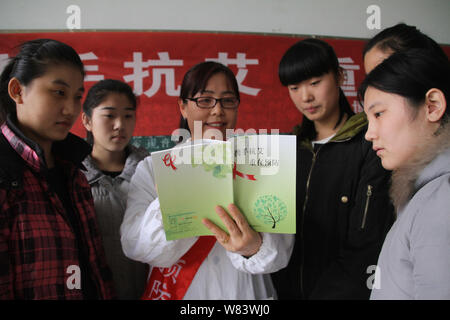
(238, 237)
(255, 172)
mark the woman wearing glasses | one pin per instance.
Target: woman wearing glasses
(227, 266)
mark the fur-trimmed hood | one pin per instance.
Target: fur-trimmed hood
(431, 162)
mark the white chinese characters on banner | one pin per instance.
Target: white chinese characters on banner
(157, 72)
(241, 62)
(89, 67)
(165, 66)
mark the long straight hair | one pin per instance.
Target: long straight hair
(307, 59)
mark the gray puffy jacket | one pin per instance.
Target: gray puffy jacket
(110, 196)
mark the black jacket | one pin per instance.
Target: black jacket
(343, 215)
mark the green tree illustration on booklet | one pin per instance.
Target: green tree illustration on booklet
(270, 210)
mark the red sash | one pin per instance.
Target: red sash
(172, 283)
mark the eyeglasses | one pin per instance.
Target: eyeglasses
(210, 102)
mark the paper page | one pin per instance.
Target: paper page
(191, 181)
(265, 181)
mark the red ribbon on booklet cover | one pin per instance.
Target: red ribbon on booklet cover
(242, 175)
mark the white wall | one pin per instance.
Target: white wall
(336, 18)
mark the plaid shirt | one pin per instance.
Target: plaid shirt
(38, 248)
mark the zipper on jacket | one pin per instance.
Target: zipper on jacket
(315, 155)
(369, 195)
(303, 219)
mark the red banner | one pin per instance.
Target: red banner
(154, 63)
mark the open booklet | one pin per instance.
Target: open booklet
(255, 172)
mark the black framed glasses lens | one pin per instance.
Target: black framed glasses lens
(208, 102)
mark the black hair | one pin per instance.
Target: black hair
(307, 59)
(100, 91)
(403, 37)
(411, 74)
(32, 61)
(196, 79)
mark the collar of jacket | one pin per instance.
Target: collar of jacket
(432, 162)
(72, 149)
(354, 125)
(135, 155)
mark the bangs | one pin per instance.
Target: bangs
(196, 79)
(307, 59)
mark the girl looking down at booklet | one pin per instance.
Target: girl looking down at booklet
(234, 263)
(343, 206)
(50, 245)
(406, 101)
